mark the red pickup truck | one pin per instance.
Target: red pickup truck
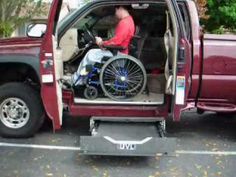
(181, 69)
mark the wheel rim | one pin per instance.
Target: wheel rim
(123, 78)
(14, 113)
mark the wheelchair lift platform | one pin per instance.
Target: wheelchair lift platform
(127, 137)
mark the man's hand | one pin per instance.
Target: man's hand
(99, 41)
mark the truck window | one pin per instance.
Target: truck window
(186, 19)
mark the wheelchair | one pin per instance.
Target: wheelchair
(121, 77)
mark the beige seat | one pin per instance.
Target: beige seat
(69, 44)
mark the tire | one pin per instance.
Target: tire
(127, 91)
(21, 111)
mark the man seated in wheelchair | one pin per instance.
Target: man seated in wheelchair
(108, 67)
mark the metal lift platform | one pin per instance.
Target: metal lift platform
(127, 137)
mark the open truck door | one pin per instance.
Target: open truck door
(50, 89)
(178, 63)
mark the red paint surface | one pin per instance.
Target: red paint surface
(219, 69)
(48, 91)
(20, 46)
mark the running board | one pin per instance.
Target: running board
(217, 107)
(127, 139)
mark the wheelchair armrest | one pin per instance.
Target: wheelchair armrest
(114, 47)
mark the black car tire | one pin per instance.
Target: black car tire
(21, 110)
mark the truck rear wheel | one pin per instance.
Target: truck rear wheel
(21, 110)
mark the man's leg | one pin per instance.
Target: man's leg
(93, 56)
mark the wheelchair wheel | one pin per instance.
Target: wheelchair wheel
(90, 93)
(123, 77)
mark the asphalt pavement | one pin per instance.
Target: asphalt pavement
(206, 146)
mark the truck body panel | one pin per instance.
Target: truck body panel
(20, 46)
(219, 68)
(49, 83)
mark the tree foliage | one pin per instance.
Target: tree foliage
(14, 13)
(202, 9)
(222, 16)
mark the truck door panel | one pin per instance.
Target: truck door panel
(219, 68)
(195, 34)
(50, 90)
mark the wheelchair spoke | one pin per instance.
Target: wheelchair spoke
(136, 73)
(134, 82)
(113, 70)
(130, 86)
(138, 77)
(134, 70)
(118, 64)
(110, 72)
(117, 71)
(127, 67)
(131, 68)
(124, 63)
(119, 68)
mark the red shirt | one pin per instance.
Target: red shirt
(123, 34)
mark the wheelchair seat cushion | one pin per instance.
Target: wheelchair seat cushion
(114, 48)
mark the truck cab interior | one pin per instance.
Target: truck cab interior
(154, 48)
